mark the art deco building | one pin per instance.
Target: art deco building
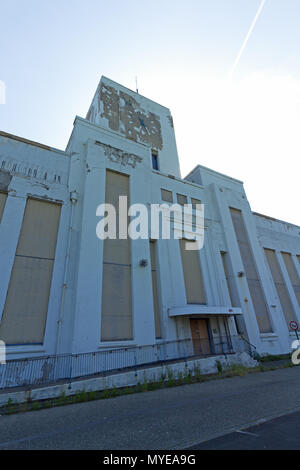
(62, 289)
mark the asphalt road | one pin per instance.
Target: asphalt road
(173, 418)
(279, 433)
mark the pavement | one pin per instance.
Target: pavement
(193, 416)
(276, 434)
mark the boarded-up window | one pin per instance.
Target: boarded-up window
(232, 290)
(116, 318)
(254, 284)
(291, 269)
(25, 312)
(155, 289)
(181, 199)
(193, 280)
(230, 280)
(195, 202)
(166, 195)
(281, 288)
(3, 197)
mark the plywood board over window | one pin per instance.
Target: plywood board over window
(232, 290)
(293, 275)
(116, 314)
(25, 312)
(230, 280)
(254, 283)
(193, 280)
(181, 199)
(166, 195)
(280, 286)
(195, 203)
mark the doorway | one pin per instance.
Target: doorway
(200, 336)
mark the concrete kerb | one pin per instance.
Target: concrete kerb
(131, 378)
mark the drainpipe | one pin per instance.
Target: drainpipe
(73, 199)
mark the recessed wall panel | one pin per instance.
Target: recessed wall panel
(194, 286)
(293, 275)
(280, 286)
(254, 283)
(25, 311)
(116, 315)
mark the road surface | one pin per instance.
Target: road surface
(188, 416)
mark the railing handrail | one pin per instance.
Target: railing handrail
(104, 350)
(248, 342)
(52, 368)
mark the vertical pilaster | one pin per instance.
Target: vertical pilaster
(10, 228)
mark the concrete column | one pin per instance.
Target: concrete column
(209, 271)
(142, 294)
(10, 228)
(275, 307)
(164, 282)
(87, 321)
(173, 285)
(289, 286)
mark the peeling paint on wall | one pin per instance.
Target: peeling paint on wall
(108, 105)
(170, 118)
(118, 156)
(125, 114)
(5, 179)
(10, 168)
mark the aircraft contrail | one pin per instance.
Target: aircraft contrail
(246, 38)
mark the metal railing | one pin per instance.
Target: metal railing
(50, 369)
(251, 350)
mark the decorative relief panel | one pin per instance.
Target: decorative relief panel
(118, 156)
(14, 167)
(126, 115)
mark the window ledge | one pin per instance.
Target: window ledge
(116, 344)
(24, 349)
(268, 336)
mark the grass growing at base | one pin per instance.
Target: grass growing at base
(219, 367)
(236, 369)
(170, 379)
(36, 405)
(10, 407)
(273, 357)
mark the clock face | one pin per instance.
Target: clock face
(126, 115)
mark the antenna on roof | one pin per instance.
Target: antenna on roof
(136, 84)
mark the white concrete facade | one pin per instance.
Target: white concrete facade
(120, 132)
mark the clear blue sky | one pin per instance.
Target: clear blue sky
(53, 53)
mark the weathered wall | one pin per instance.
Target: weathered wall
(138, 119)
(263, 232)
(31, 171)
(114, 138)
